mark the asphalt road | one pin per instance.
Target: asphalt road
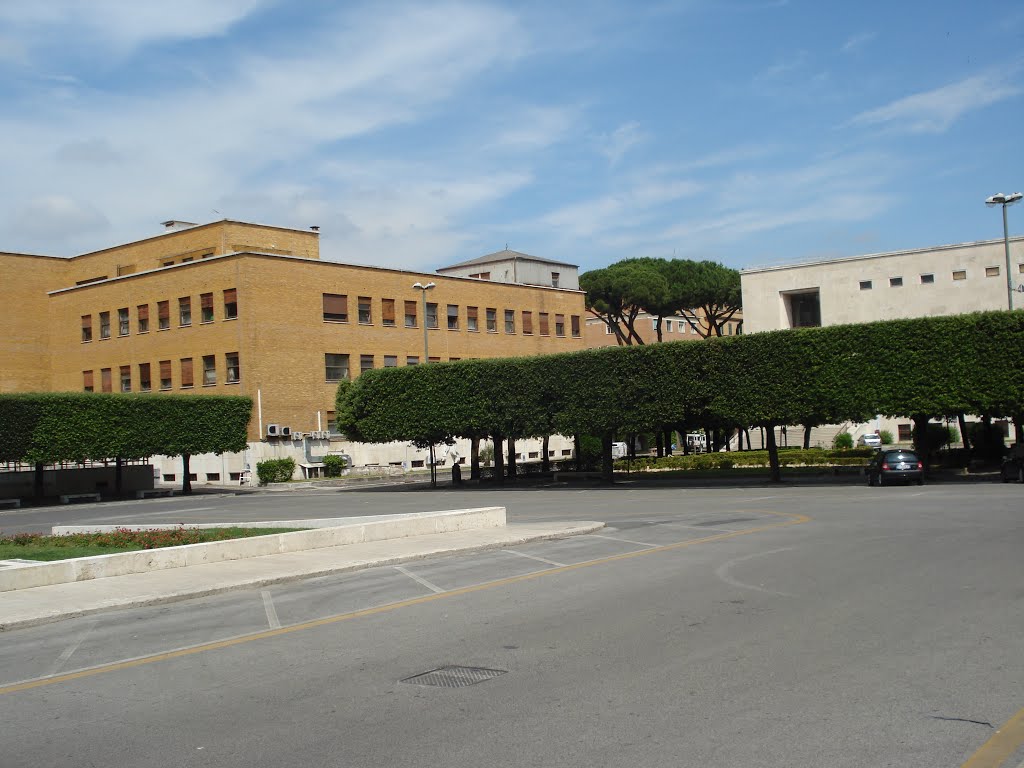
(810, 626)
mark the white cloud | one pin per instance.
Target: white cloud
(856, 42)
(936, 110)
(531, 128)
(616, 144)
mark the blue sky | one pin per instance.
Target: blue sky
(421, 134)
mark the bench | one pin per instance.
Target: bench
(151, 493)
(68, 498)
(10, 502)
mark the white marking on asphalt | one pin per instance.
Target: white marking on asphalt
(761, 498)
(69, 651)
(627, 541)
(414, 577)
(722, 572)
(268, 606)
(534, 557)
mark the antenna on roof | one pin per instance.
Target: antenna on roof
(506, 246)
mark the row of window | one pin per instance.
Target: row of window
(928, 278)
(207, 314)
(335, 310)
(143, 379)
(337, 366)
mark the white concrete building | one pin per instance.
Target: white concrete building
(943, 280)
(514, 267)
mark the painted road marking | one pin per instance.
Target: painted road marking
(268, 606)
(627, 541)
(793, 519)
(722, 572)
(1002, 746)
(70, 650)
(534, 557)
(420, 579)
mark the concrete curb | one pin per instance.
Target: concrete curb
(437, 547)
(142, 561)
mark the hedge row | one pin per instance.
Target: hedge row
(730, 459)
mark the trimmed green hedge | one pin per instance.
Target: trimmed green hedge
(275, 470)
(730, 459)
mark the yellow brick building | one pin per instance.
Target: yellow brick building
(236, 308)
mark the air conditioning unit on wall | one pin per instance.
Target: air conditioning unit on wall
(286, 431)
(296, 435)
(273, 430)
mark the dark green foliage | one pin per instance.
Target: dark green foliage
(75, 426)
(932, 366)
(740, 459)
(275, 470)
(886, 437)
(843, 440)
(333, 465)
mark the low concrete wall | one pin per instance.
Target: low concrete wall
(100, 566)
(315, 522)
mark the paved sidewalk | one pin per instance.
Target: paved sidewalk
(39, 605)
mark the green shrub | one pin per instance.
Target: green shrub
(886, 437)
(275, 470)
(842, 441)
(751, 459)
(333, 464)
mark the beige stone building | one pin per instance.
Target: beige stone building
(236, 308)
(597, 333)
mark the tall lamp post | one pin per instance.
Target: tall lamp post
(426, 359)
(1006, 200)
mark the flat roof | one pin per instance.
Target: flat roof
(812, 262)
(505, 255)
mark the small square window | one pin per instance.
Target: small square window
(895, 282)
(390, 361)
(410, 314)
(209, 370)
(492, 320)
(510, 321)
(453, 317)
(335, 307)
(365, 363)
(206, 307)
(86, 327)
(165, 374)
(960, 274)
(232, 370)
(230, 303)
(185, 311)
(163, 313)
(431, 315)
(364, 310)
(412, 360)
(145, 384)
(336, 366)
(142, 318)
(927, 279)
(865, 285)
(126, 378)
(991, 271)
(122, 322)
(104, 325)
(387, 312)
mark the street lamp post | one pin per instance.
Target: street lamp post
(426, 359)
(1004, 201)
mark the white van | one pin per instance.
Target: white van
(619, 451)
(697, 442)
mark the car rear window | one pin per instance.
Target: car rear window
(903, 455)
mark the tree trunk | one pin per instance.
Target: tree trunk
(499, 458)
(545, 462)
(668, 442)
(660, 444)
(807, 436)
(511, 457)
(773, 455)
(1018, 429)
(921, 441)
(118, 476)
(474, 458)
(964, 437)
(576, 450)
(37, 480)
(607, 470)
(186, 477)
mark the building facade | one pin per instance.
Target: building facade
(514, 267)
(236, 308)
(597, 333)
(943, 280)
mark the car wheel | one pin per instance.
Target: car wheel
(921, 481)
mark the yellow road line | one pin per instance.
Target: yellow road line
(794, 519)
(1001, 747)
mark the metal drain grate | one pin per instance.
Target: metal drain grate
(711, 523)
(454, 677)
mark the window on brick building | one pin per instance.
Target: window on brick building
(433, 359)
(554, 279)
(87, 384)
(481, 275)
(126, 378)
(230, 303)
(527, 322)
(186, 372)
(453, 317)
(123, 328)
(543, 323)
(559, 325)
(206, 307)
(104, 325)
(410, 314)
(163, 315)
(142, 318)
(575, 323)
(335, 308)
(390, 361)
(165, 374)
(510, 321)
(412, 360)
(365, 363)
(86, 327)
(185, 311)
(145, 380)
(387, 312)
(365, 316)
(471, 319)
(209, 370)
(233, 372)
(106, 384)
(431, 315)
(335, 366)
(960, 274)
(492, 320)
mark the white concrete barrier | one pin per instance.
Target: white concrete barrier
(140, 561)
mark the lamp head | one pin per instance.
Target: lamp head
(1001, 199)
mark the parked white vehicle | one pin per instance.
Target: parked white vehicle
(619, 450)
(870, 440)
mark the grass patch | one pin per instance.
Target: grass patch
(38, 546)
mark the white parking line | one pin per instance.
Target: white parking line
(69, 651)
(268, 606)
(414, 577)
(626, 541)
(722, 572)
(534, 557)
